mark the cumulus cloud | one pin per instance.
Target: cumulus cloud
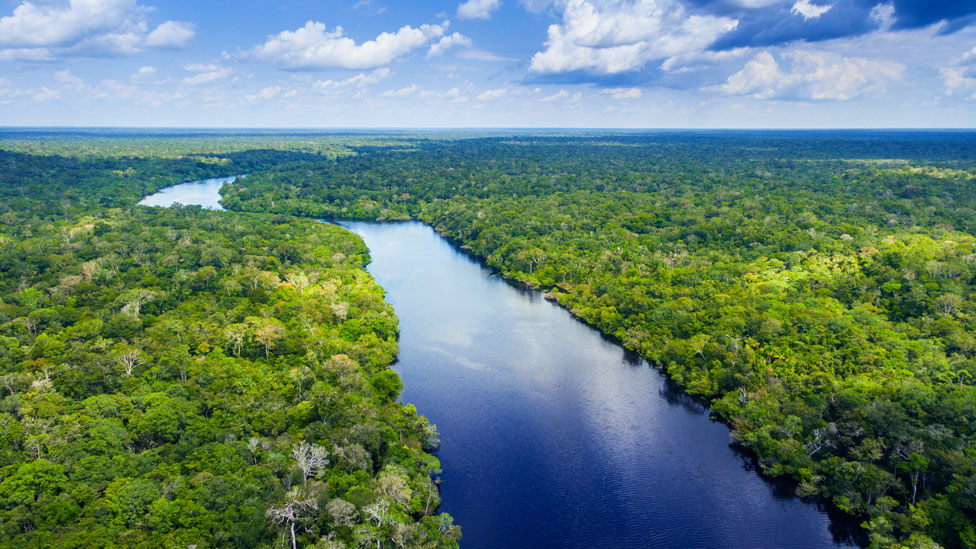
(269, 92)
(477, 9)
(959, 81)
(810, 76)
(604, 37)
(144, 72)
(563, 95)
(314, 47)
(960, 77)
(456, 95)
(808, 10)
(171, 34)
(48, 30)
(205, 73)
(448, 42)
(45, 24)
(359, 81)
(883, 15)
(703, 60)
(68, 80)
(623, 93)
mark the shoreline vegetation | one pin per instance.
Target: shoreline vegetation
(816, 289)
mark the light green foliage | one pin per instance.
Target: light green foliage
(159, 369)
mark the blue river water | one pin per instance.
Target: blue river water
(194, 193)
(552, 435)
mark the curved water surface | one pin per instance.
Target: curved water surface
(551, 435)
(194, 193)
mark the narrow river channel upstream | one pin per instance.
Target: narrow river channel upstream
(551, 435)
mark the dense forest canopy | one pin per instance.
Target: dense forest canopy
(183, 377)
(817, 288)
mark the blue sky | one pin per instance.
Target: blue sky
(489, 63)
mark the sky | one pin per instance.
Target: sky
(489, 63)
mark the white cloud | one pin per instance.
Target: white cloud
(68, 80)
(760, 78)
(269, 92)
(811, 75)
(960, 78)
(359, 81)
(697, 61)
(477, 9)
(46, 94)
(608, 37)
(883, 15)
(448, 42)
(171, 34)
(312, 47)
(968, 58)
(492, 94)
(402, 92)
(45, 24)
(482, 55)
(45, 30)
(623, 93)
(808, 10)
(561, 94)
(146, 71)
(953, 79)
(205, 73)
(455, 94)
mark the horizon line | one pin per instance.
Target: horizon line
(482, 128)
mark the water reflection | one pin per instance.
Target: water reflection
(674, 396)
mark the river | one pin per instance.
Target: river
(553, 436)
(204, 193)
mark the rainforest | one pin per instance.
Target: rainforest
(182, 376)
